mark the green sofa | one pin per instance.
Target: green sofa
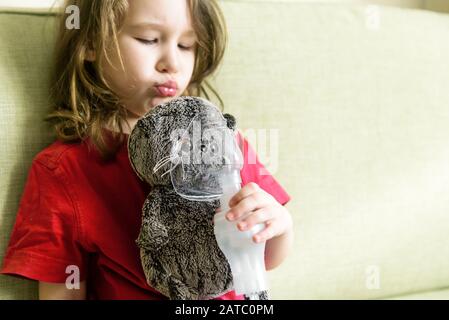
(350, 108)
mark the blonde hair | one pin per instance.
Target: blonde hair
(83, 103)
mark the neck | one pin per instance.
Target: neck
(126, 130)
(127, 124)
(131, 122)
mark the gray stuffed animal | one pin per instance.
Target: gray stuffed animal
(179, 253)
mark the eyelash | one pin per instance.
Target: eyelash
(150, 42)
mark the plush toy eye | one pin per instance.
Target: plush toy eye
(203, 148)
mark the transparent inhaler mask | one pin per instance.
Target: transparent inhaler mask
(206, 161)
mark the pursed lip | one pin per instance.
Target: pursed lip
(167, 89)
(169, 84)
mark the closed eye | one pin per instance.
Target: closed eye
(146, 42)
(185, 47)
(154, 41)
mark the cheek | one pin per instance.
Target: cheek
(188, 66)
(135, 62)
(138, 63)
(191, 62)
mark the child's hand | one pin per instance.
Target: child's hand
(258, 206)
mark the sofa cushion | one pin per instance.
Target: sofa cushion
(359, 96)
(26, 41)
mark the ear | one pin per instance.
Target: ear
(230, 121)
(89, 52)
(90, 55)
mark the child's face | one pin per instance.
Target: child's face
(152, 55)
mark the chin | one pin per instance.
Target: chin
(159, 100)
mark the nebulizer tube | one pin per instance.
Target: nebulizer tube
(245, 257)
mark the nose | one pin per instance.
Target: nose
(169, 60)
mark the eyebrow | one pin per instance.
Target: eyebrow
(159, 26)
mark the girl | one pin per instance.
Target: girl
(80, 212)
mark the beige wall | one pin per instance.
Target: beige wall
(400, 3)
(435, 5)
(438, 5)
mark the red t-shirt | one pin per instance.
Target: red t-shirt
(79, 210)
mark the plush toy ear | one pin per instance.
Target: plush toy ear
(230, 121)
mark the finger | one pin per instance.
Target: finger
(247, 205)
(258, 216)
(267, 233)
(247, 190)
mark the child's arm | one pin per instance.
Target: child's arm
(59, 291)
(277, 248)
(262, 207)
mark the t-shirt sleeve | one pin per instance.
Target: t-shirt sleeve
(254, 171)
(45, 240)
